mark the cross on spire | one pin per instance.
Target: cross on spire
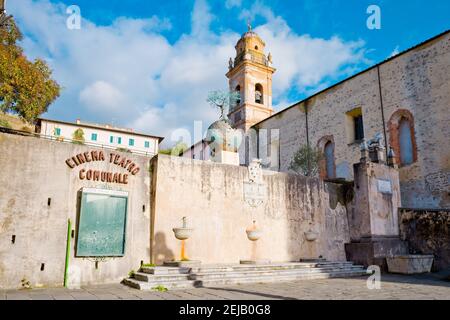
(249, 25)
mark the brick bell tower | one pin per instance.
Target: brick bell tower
(250, 75)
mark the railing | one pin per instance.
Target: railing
(262, 60)
(72, 141)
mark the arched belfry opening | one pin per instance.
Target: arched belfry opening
(259, 93)
(238, 95)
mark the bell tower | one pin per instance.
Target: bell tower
(250, 75)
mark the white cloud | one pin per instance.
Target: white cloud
(233, 3)
(201, 18)
(130, 73)
(395, 52)
(102, 96)
(308, 63)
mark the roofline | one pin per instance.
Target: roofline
(192, 147)
(355, 75)
(102, 128)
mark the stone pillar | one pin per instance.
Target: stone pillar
(373, 218)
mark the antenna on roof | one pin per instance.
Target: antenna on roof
(249, 25)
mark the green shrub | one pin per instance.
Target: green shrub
(123, 150)
(306, 161)
(148, 265)
(4, 123)
(78, 136)
(160, 288)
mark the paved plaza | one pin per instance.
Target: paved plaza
(393, 287)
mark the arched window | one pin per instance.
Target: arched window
(402, 137)
(327, 166)
(259, 94)
(406, 146)
(329, 160)
(238, 91)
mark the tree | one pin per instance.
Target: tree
(26, 88)
(306, 161)
(223, 101)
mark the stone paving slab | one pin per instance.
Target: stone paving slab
(393, 287)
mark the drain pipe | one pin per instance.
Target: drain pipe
(382, 112)
(66, 269)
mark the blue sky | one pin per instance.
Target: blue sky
(150, 64)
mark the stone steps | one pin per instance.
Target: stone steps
(182, 284)
(236, 273)
(229, 268)
(215, 275)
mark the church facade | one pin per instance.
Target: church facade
(405, 100)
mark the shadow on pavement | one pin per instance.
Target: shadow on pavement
(266, 295)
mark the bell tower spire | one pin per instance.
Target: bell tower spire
(250, 75)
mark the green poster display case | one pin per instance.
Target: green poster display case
(102, 223)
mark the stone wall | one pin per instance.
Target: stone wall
(211, 196)
(417, 81)
(428, 232)
(34, 171)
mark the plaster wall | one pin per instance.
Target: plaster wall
(33, 170)
(215, 207)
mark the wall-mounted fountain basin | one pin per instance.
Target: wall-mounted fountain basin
(311, 235)
(182, 233)
(254, 235)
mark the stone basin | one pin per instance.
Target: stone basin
(410, 264)
(253, 235)
(182, 233)
(311, 235)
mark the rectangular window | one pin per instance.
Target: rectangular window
(354, 125)
(147, 144)
(359, 128)
(111, 139)
(131, 142)
(57, 132)
(94, 137)
(119, 140)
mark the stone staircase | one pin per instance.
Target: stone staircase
(219, 275)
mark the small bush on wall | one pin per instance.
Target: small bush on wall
(78, 136)
(306, 161)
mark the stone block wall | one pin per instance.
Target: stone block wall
(417, 81)
(427, 232)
